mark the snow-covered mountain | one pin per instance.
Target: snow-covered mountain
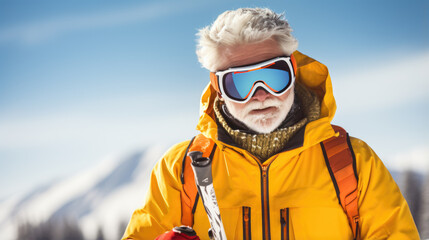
(101, 197)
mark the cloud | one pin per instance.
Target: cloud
(40, 31)
(393, 81)
(121, 122)
(416, 159)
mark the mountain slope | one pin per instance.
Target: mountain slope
(99, 197)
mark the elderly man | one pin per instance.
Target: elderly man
(268, 110)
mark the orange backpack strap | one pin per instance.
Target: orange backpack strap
(341, 163)
(189, 194)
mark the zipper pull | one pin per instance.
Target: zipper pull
(246, 223)
(284, 220)
(282, 217)
(264, 170)
(264, 173)
(246, 214)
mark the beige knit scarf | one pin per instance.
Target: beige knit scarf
(266, 145)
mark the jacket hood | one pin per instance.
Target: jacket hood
(311, 74)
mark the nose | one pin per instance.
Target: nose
(260, 94)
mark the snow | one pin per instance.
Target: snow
(40, 208)
(119, 205)
(106, 194)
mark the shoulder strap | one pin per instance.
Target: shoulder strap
(341, 163)
(189, 194)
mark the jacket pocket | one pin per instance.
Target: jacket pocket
(318, 223)
(284, 221)
(246, 223)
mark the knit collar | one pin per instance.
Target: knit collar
(306, 108)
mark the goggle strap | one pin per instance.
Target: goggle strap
(294, 65)
(214, 81)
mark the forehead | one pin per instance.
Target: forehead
(248, 54)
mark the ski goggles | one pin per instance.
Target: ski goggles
(238, 84)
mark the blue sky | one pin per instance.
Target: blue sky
(82, 80)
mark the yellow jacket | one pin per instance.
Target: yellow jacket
(296, 180)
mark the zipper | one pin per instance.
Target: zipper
(266, 235)
(265, 204)
(246, 224)
(284, 219)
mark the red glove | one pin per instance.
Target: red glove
(179, 233)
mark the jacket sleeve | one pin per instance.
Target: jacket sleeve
(162, 207)
(384, 213)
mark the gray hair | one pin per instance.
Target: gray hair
(243, 26)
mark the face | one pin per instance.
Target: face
(264, 112)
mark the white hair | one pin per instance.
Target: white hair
(243, 26)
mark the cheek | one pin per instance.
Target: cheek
(286, 95)
(237, 107)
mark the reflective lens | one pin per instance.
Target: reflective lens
(239, 85)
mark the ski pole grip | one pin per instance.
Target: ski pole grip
(194, 155)
(202, 168)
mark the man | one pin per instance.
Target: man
(268, 109)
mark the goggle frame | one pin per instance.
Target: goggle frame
(216, 78)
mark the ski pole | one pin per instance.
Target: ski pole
(202, 168)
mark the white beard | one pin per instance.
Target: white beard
(263, 123)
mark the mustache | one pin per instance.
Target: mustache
(257, 105)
